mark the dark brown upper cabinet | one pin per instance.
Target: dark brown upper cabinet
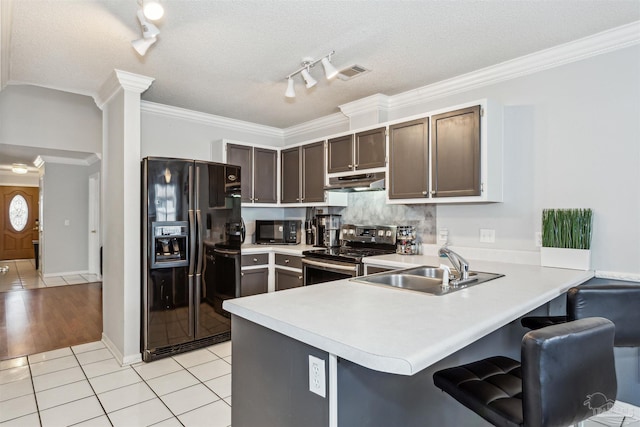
(259, 172)
(364, 150)
(242, 155)
(265, 175)
(290, 175)
(302, 174)
(340, 154)
(313, 173)
(455, 153)
(370, 149)
(409, 160)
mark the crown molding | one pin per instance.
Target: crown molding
(377, 102)
(319, 124)
(209, 119)
(87, 161)
(597, 44)
(118, 80)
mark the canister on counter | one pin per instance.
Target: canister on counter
(406, 243)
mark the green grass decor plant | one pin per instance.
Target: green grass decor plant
(567, 228)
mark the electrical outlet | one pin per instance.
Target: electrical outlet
(317, 382)
(444, 234)
(487, 235)
(539, 239)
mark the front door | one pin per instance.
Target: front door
(18, 222)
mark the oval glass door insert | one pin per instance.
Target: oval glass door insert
(18, 212)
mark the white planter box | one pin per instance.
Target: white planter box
(576, 259)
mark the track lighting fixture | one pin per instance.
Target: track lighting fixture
(149, 33)
(307, 63)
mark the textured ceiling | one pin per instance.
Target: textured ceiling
(230, 58)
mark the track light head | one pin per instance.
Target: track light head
(329, 70)
(142, 45)
(148, 29)
(308, 79)
(152, 9)
(149, 33)
(291, 90)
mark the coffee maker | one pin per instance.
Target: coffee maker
(327, 230)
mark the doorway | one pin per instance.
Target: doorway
(94, 225)
(18, 223)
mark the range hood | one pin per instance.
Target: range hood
(361, 182)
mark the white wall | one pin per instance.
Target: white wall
(192, 138)
(11, 179)
(46, 118)
(571, 139)
(65, 198)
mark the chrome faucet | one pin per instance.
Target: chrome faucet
(459, 263)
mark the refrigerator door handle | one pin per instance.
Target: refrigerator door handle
(200, 242)
(192, 243)
(191, 308)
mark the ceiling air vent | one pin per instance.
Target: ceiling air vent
(351, 72)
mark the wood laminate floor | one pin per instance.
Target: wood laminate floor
(38, 320)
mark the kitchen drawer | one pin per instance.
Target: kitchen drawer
(254, 259)
(292, 261)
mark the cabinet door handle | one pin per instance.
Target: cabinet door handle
(424, 193)
(241, 274)
(350, 166)
(297, 199)
(286, 261)
(299, 277)
(255, 200)
(255, 260)
(356, 166)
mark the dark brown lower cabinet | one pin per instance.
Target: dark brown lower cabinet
(254, 282)
(287, 279)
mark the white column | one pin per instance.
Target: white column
(119, 100)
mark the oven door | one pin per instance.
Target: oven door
(316, 270)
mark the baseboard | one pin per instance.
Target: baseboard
(66, 273)
(616, 275)
(123, 361)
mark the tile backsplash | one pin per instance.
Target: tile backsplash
(370, 208)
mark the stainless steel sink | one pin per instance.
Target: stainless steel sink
(425, 279)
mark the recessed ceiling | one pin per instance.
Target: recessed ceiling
(230, 58)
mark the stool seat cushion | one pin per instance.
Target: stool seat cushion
(491, 387)
(537, 322)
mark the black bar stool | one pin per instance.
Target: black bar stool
(618, 302)
(567, 375)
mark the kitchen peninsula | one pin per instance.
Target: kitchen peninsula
(379, 345)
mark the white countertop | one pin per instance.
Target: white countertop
(399, 331)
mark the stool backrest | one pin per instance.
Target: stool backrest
(618, 302)
(568, 372)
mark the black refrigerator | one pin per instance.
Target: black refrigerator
(192, 230)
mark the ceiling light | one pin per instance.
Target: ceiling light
(142, 45)
(152, 9)
(291, 90)
(19, 168)
(310, 81)
(306, 65)
(329, 70)
(149, 33)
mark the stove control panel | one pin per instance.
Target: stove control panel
(383, 234)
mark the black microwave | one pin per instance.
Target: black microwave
(278, 232)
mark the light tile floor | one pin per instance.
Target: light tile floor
(85, 386)
(22, 274)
